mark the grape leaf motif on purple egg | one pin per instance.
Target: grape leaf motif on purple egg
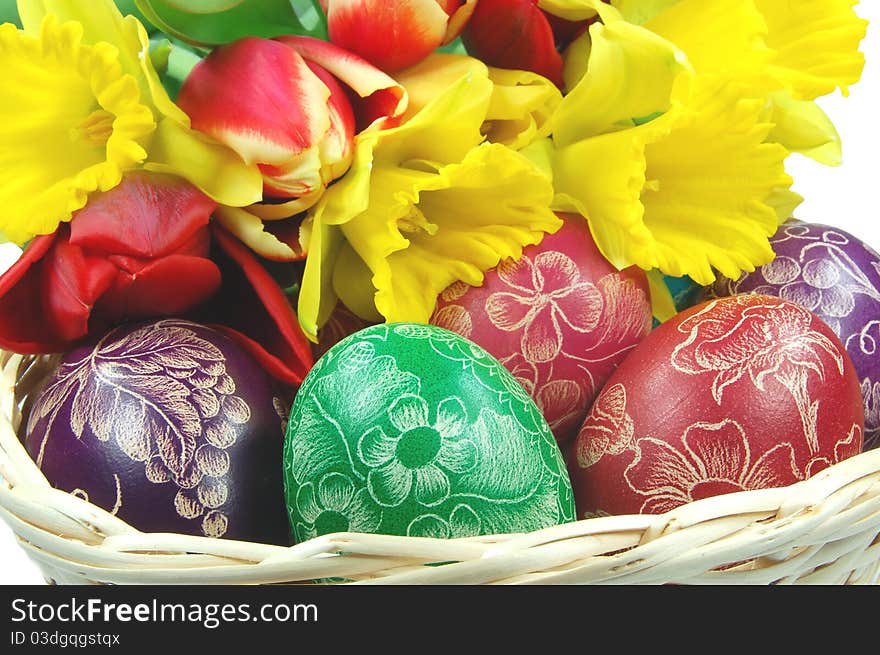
(163, 394)
(837, 277)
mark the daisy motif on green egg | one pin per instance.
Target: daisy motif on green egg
(412, 430)
(334, 505)
(415, 460)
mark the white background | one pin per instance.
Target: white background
(846, 197)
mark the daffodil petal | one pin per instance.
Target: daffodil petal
(641, 11)
(521, 107)
(632, 73)
(102, 21)
(603, 178)
(662, 303)
(433, 75)
(521, 102)
(72, 100)
(784, 202)
(578, 10)
(352, 282)
(214, 168)
(448, 126)
(721, 36)
(708, 208)
(816, 43)
(488, 207)
(801, 126)
(317, 299)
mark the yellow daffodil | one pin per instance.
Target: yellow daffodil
(796, 51)
(425, 204)
(521, 104)
(671, 168)
(82, 104)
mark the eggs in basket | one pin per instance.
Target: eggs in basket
(501, 268)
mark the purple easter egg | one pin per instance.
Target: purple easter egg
(837, 277)
(170, 426)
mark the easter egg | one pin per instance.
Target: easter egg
(739, 393)
(560, 318)
(837, 277)
(409, 429)
(170, 426)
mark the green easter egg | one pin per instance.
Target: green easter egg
(409, 429)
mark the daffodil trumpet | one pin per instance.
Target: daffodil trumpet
(81, 85)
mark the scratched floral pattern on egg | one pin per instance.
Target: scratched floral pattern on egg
(608, 428)
(559, 318)
(412, 430)
(162, 393)
(837, 277)
(743, 392)
(714, 459)
(762, 341)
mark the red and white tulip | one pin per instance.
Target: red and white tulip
(284, 104)
(395, 35)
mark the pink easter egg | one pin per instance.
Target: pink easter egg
(561, 318)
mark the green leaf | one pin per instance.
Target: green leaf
(9, 12)
(203, 6)
(173, 62)
(262, 18)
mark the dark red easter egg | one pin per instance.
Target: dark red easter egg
(170, 426)
(837, 277)
(560, 318)
(745, 392)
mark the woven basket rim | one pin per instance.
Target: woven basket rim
(820, 530)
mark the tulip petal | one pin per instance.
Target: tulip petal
(384, 99)
(253, 310)
(252, 232)
(513, 34)
(390, 35)
(286, 110)
(146, 215)
(153, 288)
(71, 283)
(23, 325)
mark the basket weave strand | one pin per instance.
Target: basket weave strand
(824, 530)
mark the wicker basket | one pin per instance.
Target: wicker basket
(825, 530)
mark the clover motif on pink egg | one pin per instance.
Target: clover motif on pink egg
(545, 293)
(560, 317)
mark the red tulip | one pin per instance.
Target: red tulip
(518, 34)
(123, 256)
(144, 250)
(284, 104)
(395, 35)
